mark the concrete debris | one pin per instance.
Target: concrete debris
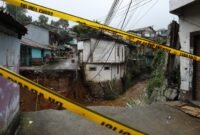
(171, 94)
(161, 99)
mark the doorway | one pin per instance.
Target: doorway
(195, 39)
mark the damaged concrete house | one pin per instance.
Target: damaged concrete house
(49, 62)
(104, 64)
(11, 32)
(35, 47)
(189, 33)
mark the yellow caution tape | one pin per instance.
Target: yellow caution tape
(67, 103)
(125, 35)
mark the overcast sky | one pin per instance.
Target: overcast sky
(154, 12)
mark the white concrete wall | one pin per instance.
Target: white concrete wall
(105, 52)
(37, 34)
(115, 72)
(176, 4)
(189, 22)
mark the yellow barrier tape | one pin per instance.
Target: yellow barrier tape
(67, 103)
(125, 35)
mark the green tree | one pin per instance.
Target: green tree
(84, 31)
(43, 20)
(19, 14)
(60, 24)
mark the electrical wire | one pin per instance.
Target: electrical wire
(146, 13)
(134, 7)
(111, 12)
(126, 14)
(108, 19)
(121, 12)
(131, 17)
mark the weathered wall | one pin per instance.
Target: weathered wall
(175, 4)
(104, 72)
(189, 22)
(42, 37)
(104, 49)
(108, 90)
(63, 82)
(9, 92)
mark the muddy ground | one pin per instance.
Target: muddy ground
(133, 94)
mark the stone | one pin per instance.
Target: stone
(171, 94)
(161, 99)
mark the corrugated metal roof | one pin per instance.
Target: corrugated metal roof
(30, 43)
(10, 23)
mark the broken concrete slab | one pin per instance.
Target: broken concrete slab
(171, 94)
(156, 119)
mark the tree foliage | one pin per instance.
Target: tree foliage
(84, 31)
(60, 24)
(19, 14)
(42, 21)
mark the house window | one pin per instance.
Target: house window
(92, 69)
(106, 68)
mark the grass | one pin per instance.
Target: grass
(158, 74)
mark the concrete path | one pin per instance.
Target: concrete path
(156, 119)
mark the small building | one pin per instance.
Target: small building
(103, 59)
(147, 32)
(162, 33)
(36, 48)
(189, 34)
(11, 32)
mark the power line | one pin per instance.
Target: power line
(145, 13)
(126, 14)
(136, 6)
(120, 11)
(108, 19)
(111, 12)
(134, 9)
(130, 18)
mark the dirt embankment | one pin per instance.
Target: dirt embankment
(135, 92)
(60, 82)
